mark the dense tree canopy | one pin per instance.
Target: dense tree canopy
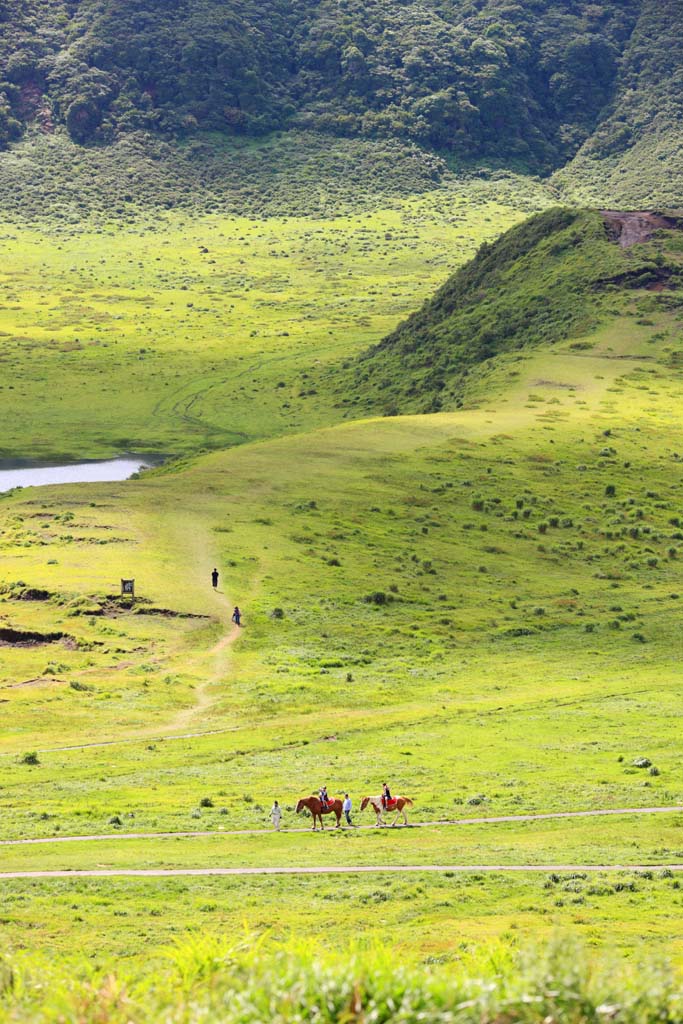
(483, 79)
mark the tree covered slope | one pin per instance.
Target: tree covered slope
(637, 150)
(478, 78)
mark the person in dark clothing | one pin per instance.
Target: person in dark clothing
(237, 616)
(214, 579)
(386, 795)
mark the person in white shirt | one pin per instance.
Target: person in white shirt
(276, 815)
(346, 808)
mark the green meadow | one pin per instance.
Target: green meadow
(182, 331)
(387, 297)
(480, 606)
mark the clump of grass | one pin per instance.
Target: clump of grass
(80, 687)
(210, 977)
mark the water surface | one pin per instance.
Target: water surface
(22, 474)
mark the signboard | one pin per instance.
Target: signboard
(128, 588)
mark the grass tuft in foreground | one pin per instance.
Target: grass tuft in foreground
(208, 978)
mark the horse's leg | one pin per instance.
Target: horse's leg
(338, 820)
(322, 823)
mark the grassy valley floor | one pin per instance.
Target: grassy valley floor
(187, 330)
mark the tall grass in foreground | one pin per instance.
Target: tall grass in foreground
(210, 979)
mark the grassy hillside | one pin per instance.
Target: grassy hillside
(556, 276)
(412, 587)
(636, 153)
(454, 524)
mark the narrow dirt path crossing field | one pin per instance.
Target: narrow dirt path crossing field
(374, 869)
(509, 818)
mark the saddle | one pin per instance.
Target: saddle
(390, 805)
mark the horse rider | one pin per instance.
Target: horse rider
(324, 799)
(386, 795)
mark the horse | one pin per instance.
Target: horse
(315, 805)
(398, 804)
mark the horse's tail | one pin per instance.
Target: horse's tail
(408, 801)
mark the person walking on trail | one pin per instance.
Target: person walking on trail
(214, 579)
(346, 808)
(276, 815)
(237, 616)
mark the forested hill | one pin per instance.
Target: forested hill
(524, 83)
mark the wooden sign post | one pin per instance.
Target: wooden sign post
(128, 589)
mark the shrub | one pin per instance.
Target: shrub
(206, 801)
(30, 758)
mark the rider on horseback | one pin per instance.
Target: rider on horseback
(324, 799)
(386, 795)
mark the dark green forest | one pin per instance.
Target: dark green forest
(525, 83)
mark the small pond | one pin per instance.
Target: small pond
(25, 474)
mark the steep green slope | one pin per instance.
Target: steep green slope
(556, 276)
(637, 151)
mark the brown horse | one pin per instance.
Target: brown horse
(315, 805)
(399, 805)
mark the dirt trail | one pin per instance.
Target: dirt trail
(374, 869)
(634, 227)
(203, 700)
(507, 818)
